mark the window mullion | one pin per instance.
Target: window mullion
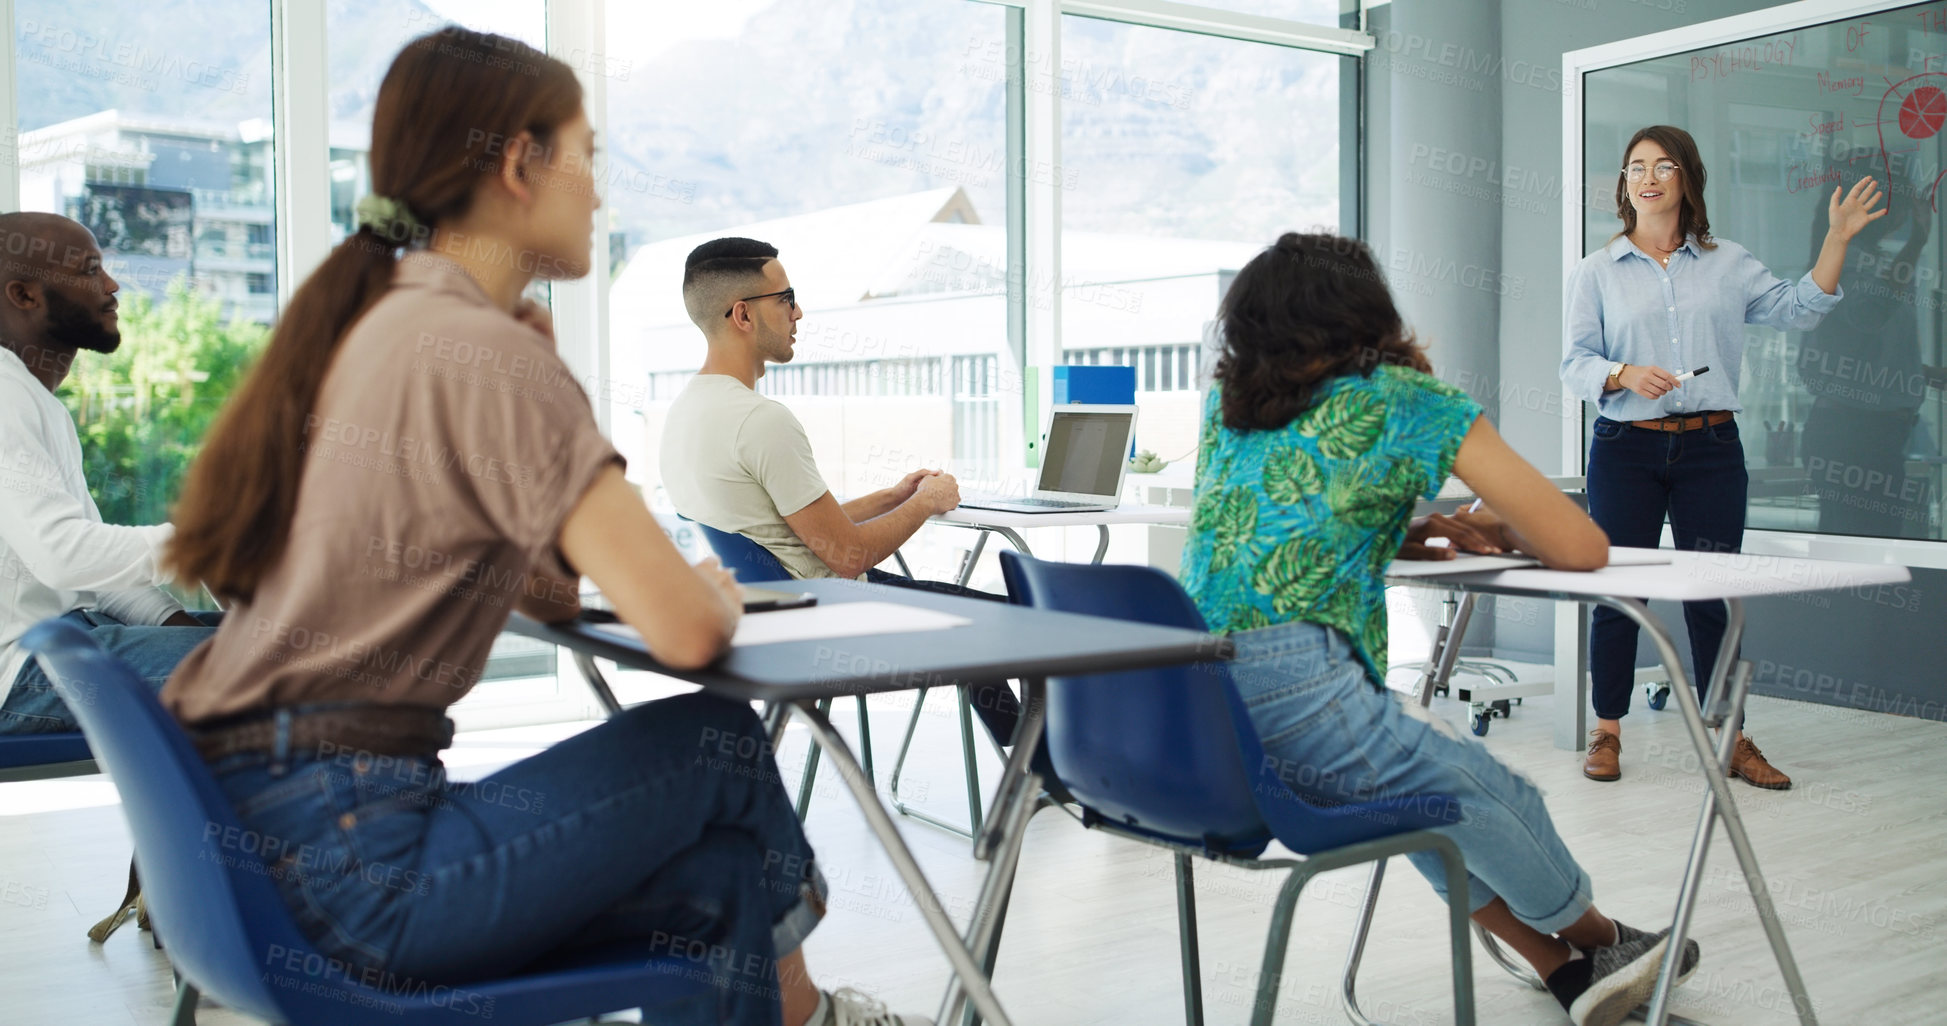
(300, 139)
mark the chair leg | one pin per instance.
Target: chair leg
(810, 769)
(1186, 928)
(185, 1010)
(865, 744)
(1274, 948)
(1458, 914)
(967, 755)
(1362, 930)
(1502, 959)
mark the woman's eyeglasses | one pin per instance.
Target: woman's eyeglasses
(1665, 171)
(790, 297)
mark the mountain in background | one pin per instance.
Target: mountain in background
(817, 104)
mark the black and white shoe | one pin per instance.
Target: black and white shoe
(1686, 967)
(1599, 987)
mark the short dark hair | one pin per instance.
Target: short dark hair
(719, 267)
(1308, 309)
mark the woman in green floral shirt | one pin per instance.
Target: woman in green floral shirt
(1322, 428)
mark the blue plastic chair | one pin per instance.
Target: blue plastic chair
(226, 929)
(44, 756)
(1169, 757)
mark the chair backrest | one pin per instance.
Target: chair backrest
(1156, 751)
(208, 892)
(1173, 753)
(746, 560)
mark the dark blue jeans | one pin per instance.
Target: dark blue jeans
(1637, 477)
(665, 827)
(32, 707)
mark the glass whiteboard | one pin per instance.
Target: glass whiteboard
(1842, 425)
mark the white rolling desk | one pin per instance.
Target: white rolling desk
(1008, 525)
(1693, 577)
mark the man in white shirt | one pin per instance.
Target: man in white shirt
(742, 463)
(57, 558)
(739, 462)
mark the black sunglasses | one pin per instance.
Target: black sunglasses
(790, 299)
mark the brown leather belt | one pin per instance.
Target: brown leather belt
(366, 727)
(1685, 423)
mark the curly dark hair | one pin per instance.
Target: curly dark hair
(1308, 309)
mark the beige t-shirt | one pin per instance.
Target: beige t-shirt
(447, 446)
(738, 462)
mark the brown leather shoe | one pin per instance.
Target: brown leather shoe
(1605, 756)
(1748, 762)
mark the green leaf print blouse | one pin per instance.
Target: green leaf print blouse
(1298, 523)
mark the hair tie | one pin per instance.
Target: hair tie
(387, 217)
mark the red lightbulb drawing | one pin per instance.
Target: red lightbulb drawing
(1922, 113)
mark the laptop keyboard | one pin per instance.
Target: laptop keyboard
(1051, 503)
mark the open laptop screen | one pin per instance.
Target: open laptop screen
(1085, 452)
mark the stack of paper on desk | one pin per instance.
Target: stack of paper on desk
(813, 623)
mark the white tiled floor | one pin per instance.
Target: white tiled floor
(1856, 856)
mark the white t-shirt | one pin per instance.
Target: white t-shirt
(741, 463)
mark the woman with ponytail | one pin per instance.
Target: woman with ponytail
(408, 463)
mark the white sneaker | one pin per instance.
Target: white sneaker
(848, 1007)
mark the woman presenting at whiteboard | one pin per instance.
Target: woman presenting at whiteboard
(1655, 329)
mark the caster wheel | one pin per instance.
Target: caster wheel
(1503, 709)
(1479, 724)
(1659, 695)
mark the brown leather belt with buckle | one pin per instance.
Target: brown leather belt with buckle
(366, 727)
(1685, 423)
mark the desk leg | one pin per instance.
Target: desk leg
(1101, 544)
(1718, 805)
(597, 683)
(1013, 538)
(967, 570)
(1571, 675)
(965, 967)
(1015, 802)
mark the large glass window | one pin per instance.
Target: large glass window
(1842, 425)
(154, 131)
(867, 142)
(364, 36)
(1181, 157)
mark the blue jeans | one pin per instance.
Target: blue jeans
(1334, 738)
(665, 828)
(32, 707)
(1636, 477)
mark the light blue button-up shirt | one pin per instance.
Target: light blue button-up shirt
(1624, 307)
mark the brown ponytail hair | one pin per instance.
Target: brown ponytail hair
(449, 105)
(1690, 171)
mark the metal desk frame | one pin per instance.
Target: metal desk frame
(1001, 837)
(1729, 686)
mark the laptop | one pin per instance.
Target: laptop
(1082, 463)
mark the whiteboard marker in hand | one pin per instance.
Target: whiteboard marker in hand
(1687, 375)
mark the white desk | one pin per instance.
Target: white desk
(1007, 525)
(1694, 577)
